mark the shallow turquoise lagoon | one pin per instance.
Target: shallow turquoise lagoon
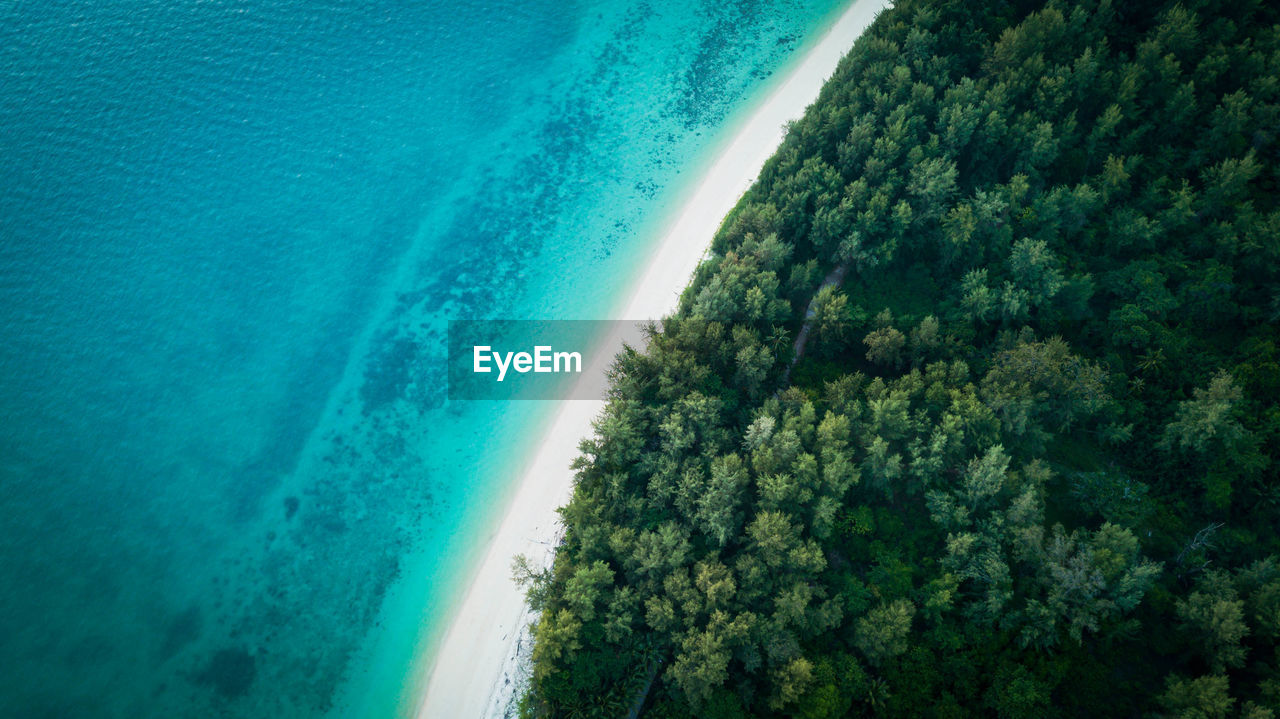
(231, 233)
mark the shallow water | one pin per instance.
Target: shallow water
(230, 236)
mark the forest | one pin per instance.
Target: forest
(972, 411)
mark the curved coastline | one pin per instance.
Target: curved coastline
(474, 670)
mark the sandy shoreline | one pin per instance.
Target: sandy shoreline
(476, 667)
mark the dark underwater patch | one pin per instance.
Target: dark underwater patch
(230, 673)
(180, 630)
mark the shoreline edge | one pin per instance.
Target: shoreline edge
(476, 667)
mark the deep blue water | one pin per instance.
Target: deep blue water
(230, 233)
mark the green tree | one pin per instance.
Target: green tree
(925, 339)
(586, 587)
(978, 300)
(932, 185)
(702, 664)
(555, 635)
(1214, 615)
(792, 680)
(882, 633)
(1035, 269)
(830, 315)
(1200, 698)
(1209, 417)
(719, 509)
(1016, 693)
(885, 346)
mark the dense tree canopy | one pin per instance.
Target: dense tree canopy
(1013, 457)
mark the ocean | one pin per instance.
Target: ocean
(231, 234)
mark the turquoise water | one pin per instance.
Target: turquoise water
(230, 236)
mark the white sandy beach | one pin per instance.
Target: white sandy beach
(475, 669)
